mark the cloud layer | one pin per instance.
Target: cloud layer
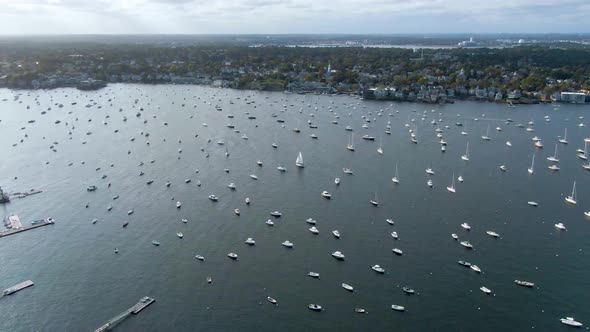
(291, 16)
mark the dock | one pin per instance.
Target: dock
(16, 288)
(14, 225)
(143, 303)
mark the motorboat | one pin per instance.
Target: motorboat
(408, 290)
(390, 221)
(213, 198)
(269, 222)
(460, 178)
(247, 200)
(455, 236)
(429, 183)
(250, 241)
(314, 230)
(326, 195)
(532, 203)
(429, 171)
(281, 168)
(156, 243)
(237, 211)
(466, 244)
(336, 234)
(338, 255)
(232, 255)
(398, 307)
(180, 235)
(475, 268)
(178, 205)
(310, 221)
(253, 176)
(276, 214)
(199, 257)
(315, 307)
(232, 186)
(485, 290)
(259, 163)
(337, 181)
(524, 283)
(466, 226)
(288, 244)
(347, 171)
(397, 251)
(571, 322)
(378, 269)
(394, 235)
(271, 300)
(503, 168)
(313, 274)
(492, 234)
(348, 287)
(560, 226)
(464, 263)
(360, 311)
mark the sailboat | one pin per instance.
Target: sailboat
(452, 187)
(380, 148)
(532, 168)
(466, 155)
(226, 151)
(584, 155)
(350, 146)
(486, 137)
(395, 179)
(299, 161)
(563, 140)
(572, 199)
(375, 200)
(554, 157)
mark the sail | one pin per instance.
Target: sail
(299, 161)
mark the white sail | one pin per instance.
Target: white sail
(299, 161)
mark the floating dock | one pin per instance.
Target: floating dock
(17, 288)
(138, 307)
(14, 225)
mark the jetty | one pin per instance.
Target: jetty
(14, 225)
(16, 288)
(137, 308)
(3, 196)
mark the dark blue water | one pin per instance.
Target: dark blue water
(80, 283)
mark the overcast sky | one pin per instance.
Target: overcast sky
(291, 16)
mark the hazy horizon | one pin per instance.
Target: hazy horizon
(243, 17)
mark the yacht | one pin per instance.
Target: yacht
(276, 214)
(553, 167)
(130, 212)
(347, 171)
(452, 187)
(389, 221)
(337, 181)
(314, 230)
(532, 203)
(464, 263)
(466, 244)
(271, 300)
(531, 169)
(269, 222)
(394, 235)
(572, 198)
(408, 290)
(508, 143)
(213, 198)
(466, 155)
(524, 283)
(326, 194)
(199, 257)
(455, 236)
(378, 269)
(250, 241)
(348, 287)
(232, 186)
(288, 244)
(237, 211)
(281, 168)
(310, 221)
(460, 178)
(375, 201)
(178, 205)
(338, 255)
(563, 140)
(492, 234)
(554, 158)
(180, 235)
(398, 307)
(360, 311)
(336, 234)
(486, 137)
(232, 255)
(350, 145)
(156, 243)
(259, 163)
(429, 171)
(560, 226)
(313, 274)
(397, 251)
(485, 290)
(466, 226)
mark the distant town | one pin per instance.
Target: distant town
(440, 69)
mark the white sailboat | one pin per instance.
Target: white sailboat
(395, 179)
(380, 148)
(452, 187)
(572, 199)
(486, 137)
(563, 140)
(375, 200)
(299, 161)
(466, 155)
(532, 168)
(554, 157)
(584, 155)
(350, 146)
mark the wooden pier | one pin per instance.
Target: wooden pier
(139, 306)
